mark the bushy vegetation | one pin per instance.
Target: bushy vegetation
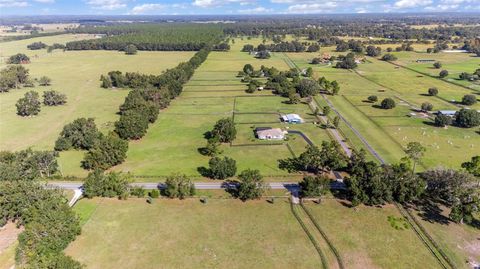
(18, 58)
(314, 186)
(27, 164)
(224, 130)
(110, 184)
(36, 46)
(316, 160)
(387, 103)
(107, 151)
(222, 168)
(179, 186)
(82, 133)
(13, 77)
(29, 104)
(251, 185)
(54, 98)
(159, 37)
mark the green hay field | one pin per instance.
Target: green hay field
(188, 234)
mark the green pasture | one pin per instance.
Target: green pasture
(460, 242)
(173, 142)
(223, 233)
(388, 131)
(365, 239)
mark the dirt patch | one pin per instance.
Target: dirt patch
(8, 235)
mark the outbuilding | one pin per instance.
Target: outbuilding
(292, 118)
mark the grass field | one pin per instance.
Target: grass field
(76, 74)
(189, 234)
(366, 239)
(214, 92)
(388, 131)
(460, 242)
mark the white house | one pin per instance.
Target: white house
(270, 133)
(450, 113)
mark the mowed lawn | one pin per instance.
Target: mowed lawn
(388, 131)
(188, 234)
(365, 238)
(172, 143)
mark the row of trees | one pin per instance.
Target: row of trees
(372, 184)
(466, 118)
(284, 46)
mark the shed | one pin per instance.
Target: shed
(292, 118)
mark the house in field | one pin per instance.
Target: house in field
(449, 113)
(292, 118)
(425, 61)
(267, 133)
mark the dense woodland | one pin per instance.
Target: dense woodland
(153, 37)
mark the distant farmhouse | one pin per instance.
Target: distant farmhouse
(267, 133)
(292, 118)
(449, 113)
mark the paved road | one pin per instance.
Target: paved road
(357, 133)
(334, 132)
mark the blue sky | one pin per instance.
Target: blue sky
(171, 7)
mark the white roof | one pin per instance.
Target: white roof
(274, 132)
(292, 117)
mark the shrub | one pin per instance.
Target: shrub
(387, 103)
(37, 46)
(443, 73)
(314, 186)
(154, 193)
(437, 65)
(130, 49)
(29, 105)
(316, 60)
(389, 57)
(224, 130)
(251, 185)
(467, 118)
(442, 120)
(110, 184)
(433, 91)
(18, 58)
(44, 81)
(179, 186)
(427, 106)
(108, 151)
(54, 98)
(372, 98)
(138, 191)
(82, 133)
(222, 168)
(132, 125)
(469, 99)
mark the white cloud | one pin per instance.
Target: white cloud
(107, 4)
(256, 11)
(146, 8)
(312, 8)
(412, 3)
(215, 3)
(12, 3)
